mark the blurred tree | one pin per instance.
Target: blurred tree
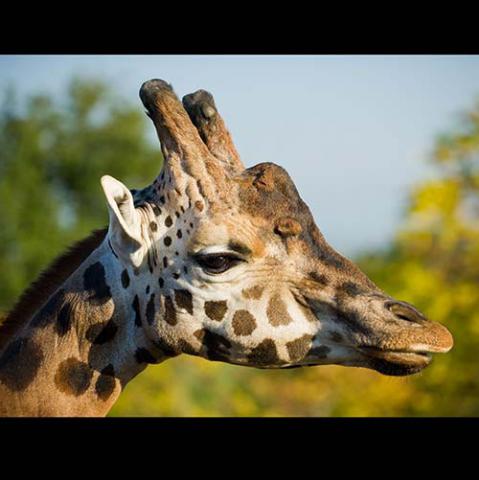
(52, 155)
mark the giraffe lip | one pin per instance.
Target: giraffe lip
(396, 362)
(399, 357)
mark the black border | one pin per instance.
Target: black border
(280, 29)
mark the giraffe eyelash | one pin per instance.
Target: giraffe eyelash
(216, 263)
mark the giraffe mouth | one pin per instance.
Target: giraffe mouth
(396, 362)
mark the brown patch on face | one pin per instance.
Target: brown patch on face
(19, 364)
(352, 320)
(142, 355)
(277, 312)
(264, 354)
(243, 323)
(319, 352)
(336, 337)
(73, 377)
(216, 345)
(216, 310)
(153, 226)
(170, 312)
(352, 289)
(319, 278)
(199, 205)
(332, 258)
(287, 227)
(253, 293)
(299, 348)
(186, 347)
(105, 384)
(184, 299)
(167, 349)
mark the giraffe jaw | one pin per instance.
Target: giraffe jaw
(396, 362)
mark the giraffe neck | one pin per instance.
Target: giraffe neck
(77, 353)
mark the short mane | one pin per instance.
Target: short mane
(47, 282)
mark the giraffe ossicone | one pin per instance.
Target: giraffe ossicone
(212, 259)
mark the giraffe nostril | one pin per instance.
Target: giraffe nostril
(405, 311)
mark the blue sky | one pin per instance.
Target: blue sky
(354, 132)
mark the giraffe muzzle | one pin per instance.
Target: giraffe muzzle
(407, 347)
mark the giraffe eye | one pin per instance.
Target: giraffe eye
(217, 262)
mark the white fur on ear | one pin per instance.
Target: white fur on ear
(125, 228)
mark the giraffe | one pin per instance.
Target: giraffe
(212, 259)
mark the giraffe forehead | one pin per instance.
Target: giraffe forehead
(234, 231)
(209, 232)
(267, 192)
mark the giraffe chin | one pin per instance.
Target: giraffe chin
(396, 363)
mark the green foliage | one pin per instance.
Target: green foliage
(51, 159)
(52, 156)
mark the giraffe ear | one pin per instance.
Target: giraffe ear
(125, 226)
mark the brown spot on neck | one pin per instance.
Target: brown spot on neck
(105, 384)
(103, 332)
(46, 284)
(73, 377)
(19, 363)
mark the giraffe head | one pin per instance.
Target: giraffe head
(228, 263)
